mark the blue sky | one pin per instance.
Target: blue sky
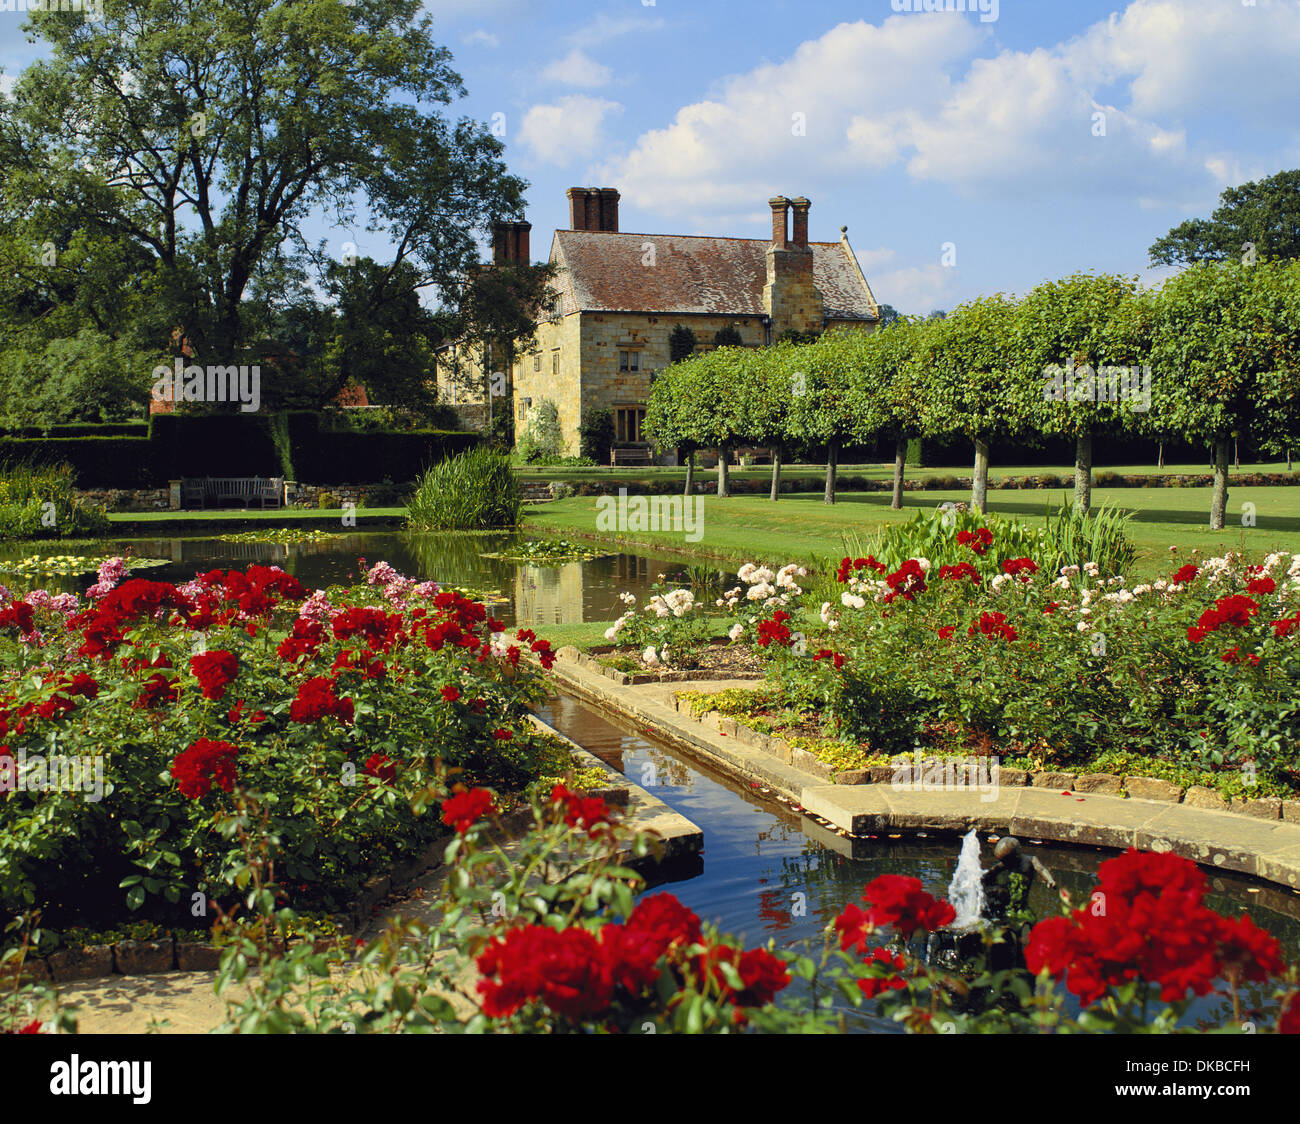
(918, 129)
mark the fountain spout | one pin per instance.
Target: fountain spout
(966, 891)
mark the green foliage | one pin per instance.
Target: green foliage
(596, 434)
(542, 436)
(38, 503)
(681, 343)
(1264, 214)
(472, 491)
(728, 337)
(1074, 537)
(934, 535)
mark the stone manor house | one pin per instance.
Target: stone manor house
(620, 295)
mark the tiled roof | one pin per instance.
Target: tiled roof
(691, 274)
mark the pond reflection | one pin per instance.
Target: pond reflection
(535, 594)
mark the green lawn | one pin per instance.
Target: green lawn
(881, 472)
(800, 527)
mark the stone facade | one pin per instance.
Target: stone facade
(621, 295)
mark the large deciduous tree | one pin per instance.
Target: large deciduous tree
(1260, 219)
(199, 137)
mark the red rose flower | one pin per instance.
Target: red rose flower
(204, 764)
(316, 699)
(871, 986)
(450, 693)
(904, 903)
(380, 767)
(214, 671)
(564, 969)
(464, 809)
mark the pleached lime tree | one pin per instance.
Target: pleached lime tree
(971, 384)
(763, 384)
(885, 385)
(1063, 339)
(1225, 358)
(822, 404)
(668, 417)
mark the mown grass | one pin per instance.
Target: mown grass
(802, 528)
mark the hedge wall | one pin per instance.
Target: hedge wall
(291, 445)
(99, 462)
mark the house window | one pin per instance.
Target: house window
(525, 404)
(537, 361)
(629, 361)
(555, 361)
(627, 423)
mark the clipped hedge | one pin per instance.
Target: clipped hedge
(103, 462)
(291, 445)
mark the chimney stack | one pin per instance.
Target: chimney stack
(800, 237)
(780, 211)
(593, 209)
(510, 242)
(609, 209)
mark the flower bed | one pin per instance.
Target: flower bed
(129, 719)
(552, 939)
(1190, 678)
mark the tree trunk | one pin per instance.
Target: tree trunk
(690, 473)
(900, 464)
(980, 481)
(1288, 458)
(776, 473)
(1236, 454)
(832, 460)
(724, 485)
(1083, 471)
(1160, 456)
(1219, 498)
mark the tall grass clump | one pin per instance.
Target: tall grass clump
(38, 502)
(472, 491)
(1101, 536)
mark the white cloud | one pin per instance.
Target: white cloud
(571, 129)
(7, 83)
(605, 27)
(486, 38)
(931, 94)
(1183, 57)
(577, 68)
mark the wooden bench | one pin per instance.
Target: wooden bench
(215, 491)
(639, 454)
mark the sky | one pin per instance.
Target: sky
(967, 152)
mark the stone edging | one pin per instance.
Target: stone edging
(1256, 843)
(625, 679)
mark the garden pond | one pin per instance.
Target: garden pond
(533, 593)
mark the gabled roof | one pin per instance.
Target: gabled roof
(603, 272)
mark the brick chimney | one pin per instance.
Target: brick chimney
(577, 197)
(510, 242)
(800, 235)
(790, 298)
(609, 198)
(780, 215)
(593, 209)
